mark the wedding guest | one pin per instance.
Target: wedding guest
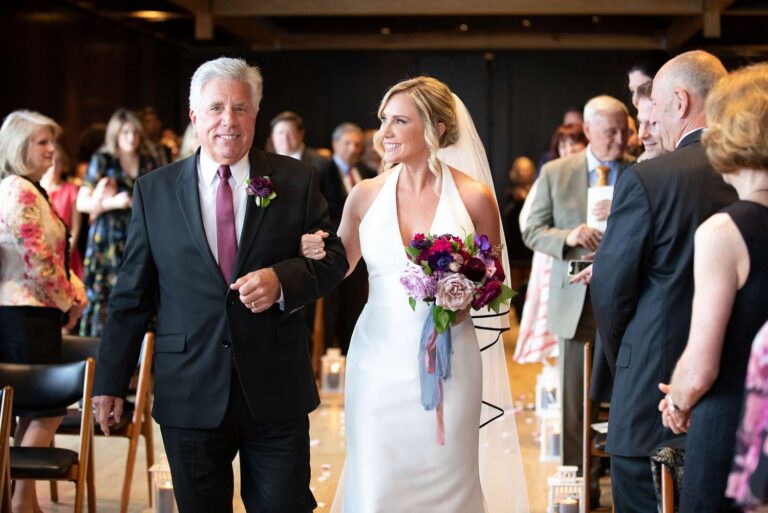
(634, 146)
(557, 225)
(748, 482)
(36, 288)
(152, 128)
(642, 283)
(62, 193)
(648, 132)
(534, 341)
(521, 177)
(189, 143)
(730, 264)
(371, 157)
(571, 116)
(643, 71)
(106, 197)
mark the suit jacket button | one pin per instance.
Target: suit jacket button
(225, 343)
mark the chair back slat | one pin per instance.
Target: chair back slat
(75, 349)
(42, 388)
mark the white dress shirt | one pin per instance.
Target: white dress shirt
(593, 162)
(208, 183)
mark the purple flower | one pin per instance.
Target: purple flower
(260, 187)
(482, 243)
(440, 261)
(454, 292)
(417, 284)
(474, 269)
(420, 244)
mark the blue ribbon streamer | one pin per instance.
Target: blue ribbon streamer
(430, 382)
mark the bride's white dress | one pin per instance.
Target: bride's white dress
(394, 464)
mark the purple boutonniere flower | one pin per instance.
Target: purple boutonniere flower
(260, 187)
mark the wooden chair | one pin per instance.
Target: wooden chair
(5, 436)
(590, 449)
(49, 388)
(136, 420)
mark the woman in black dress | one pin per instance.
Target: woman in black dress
(36, 287)
(730, 303)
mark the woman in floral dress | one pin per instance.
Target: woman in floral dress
(106, 196)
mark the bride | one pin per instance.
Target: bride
(394, 461)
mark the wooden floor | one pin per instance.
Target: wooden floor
(327, 441)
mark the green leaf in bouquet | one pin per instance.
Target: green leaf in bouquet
(443, 318)
(503, 298)
(412, 302)
(469, 244)
(427, 269)
(412, 252)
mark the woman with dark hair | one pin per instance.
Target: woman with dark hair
(106, 196)
(567, 140)
(643, 72)
(36, 287)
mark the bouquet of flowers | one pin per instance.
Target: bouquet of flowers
(450, 275)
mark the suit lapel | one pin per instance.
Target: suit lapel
(693, 137)
(253, 215)
(188, 196)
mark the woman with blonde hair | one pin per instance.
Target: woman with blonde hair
(730, 271)
(106, 196)
(36, 287)
(401, 458)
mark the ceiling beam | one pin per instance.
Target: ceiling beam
(680, 31)
(713, 9)
(469, 41)
(454, 7)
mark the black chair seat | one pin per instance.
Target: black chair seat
(41, 462)
(70, 425)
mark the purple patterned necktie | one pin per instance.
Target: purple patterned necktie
(226, 236)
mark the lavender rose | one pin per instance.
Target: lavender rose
(417, 284)
(454, 292)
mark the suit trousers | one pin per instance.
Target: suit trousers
(571, 366)
(274, 462)
(632, 485)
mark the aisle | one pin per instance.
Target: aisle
(327, 454)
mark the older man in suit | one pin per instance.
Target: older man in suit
(557, 226)
(223, 273)
(642, 283)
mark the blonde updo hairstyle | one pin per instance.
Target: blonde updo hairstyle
(737, 121)
(435, 103)
(17, 130)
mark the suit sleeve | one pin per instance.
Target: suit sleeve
(540, 233)
(620, 262)
(131, 306)
(304, 280)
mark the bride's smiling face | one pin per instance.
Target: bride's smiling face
(402, 131)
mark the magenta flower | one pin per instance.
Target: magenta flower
(474, 269)
(488, 293)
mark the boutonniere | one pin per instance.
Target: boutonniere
(260, 187)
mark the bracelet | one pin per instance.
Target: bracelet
(672, 406)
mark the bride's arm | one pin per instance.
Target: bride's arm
(312, 244)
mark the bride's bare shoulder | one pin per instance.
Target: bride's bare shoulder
(473, 193)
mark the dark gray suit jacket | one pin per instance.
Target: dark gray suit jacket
(642, 284)
(201, 323)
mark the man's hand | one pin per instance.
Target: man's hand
(585, 237)
(601, 209)
(313, 245)
(107, 410)
(259, 290)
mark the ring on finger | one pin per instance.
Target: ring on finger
(253, 304)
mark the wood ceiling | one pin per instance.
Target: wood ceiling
(728, 26)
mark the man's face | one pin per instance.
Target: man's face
(349, 147)
(287, 138)
(607, 134)
(647, 131)
(663, 114)
(225, 120)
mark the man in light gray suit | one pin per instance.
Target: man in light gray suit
(557, 226)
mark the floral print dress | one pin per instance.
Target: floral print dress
(106, 241)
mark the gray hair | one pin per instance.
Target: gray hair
(600, 104)
(18, 128)
(343, 129)
(696, 71)
(225, 68)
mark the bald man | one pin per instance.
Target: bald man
(642, 282)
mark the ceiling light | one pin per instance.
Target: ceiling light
(385, 31)
(463, 27)
(526, 23)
